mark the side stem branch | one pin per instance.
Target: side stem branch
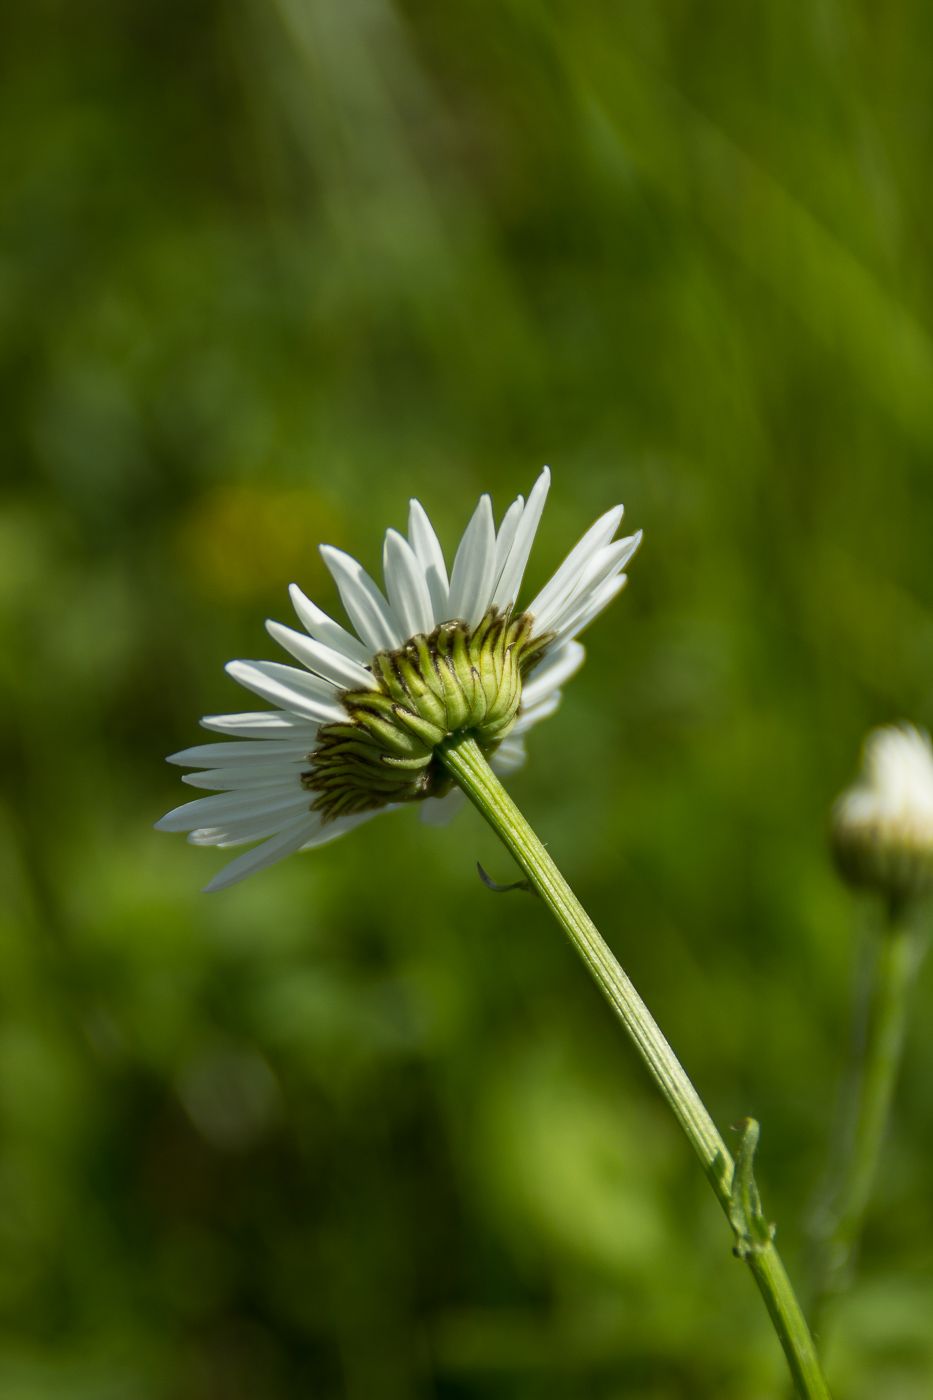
(874, 1075)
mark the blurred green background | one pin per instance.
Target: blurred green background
(358, 1128)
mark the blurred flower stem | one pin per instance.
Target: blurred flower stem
(880, 1022)
(734, 1186)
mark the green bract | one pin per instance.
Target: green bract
(455, 679)
(895, 858)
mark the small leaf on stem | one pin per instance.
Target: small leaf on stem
(753, 1232)
(504, 889)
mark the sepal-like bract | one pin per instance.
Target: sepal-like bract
(456, 679)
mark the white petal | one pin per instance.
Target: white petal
(331, 830)
(238, 832)
(366, 608)
(589, 609)
(406, 586)
(438, 811)
(325, 629)
(262, 724)
(541, 709)
(472, 576)
(322, 660)
(430, 556)
(554, 671)
(510, 580)
(301, 681)
(230, 806)
(245, 776)
(215, 836)
(505, 536)
(288, 841)
(294, 690)
(241, 752)
(561, 584)
(509, 757)
(604, 564)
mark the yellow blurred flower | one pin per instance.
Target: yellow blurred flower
(240, 541)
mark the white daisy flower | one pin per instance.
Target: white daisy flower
(883, 824)
(354, 730)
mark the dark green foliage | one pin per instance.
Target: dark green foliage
(358, 1128)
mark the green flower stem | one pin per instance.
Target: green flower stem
(875, 1070)
(464, 759)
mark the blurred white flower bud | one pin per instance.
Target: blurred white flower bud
(882, 827)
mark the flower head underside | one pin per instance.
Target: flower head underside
(355, 730)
